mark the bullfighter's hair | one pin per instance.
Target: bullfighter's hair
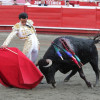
(23, 16)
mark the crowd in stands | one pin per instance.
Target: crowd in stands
(15, 2)
(0, 2)
(67, 3)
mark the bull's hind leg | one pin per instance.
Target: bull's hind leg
(70, 75)
(81, 73)
(94, 64)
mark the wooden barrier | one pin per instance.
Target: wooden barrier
(45, 16)
(63, 17)
(81, 18)
(9, 14)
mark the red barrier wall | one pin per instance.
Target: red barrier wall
(98, 18)
(80, 18)
(43, 16)
(53, 17)
(9, 14)
(63, 17)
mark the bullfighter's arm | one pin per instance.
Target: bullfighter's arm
(11, 35)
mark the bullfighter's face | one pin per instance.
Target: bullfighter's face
(23, 21)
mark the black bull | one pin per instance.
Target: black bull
(85, 49)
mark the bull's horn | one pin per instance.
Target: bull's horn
(48, 61)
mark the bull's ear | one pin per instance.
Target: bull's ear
(41, 62)
(49, 61)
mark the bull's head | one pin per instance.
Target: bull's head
(46, 67)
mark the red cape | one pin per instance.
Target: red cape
(16, 70)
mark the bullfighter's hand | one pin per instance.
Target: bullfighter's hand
(4, 46)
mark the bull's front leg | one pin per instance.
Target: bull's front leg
(81, 73)
(70, 75)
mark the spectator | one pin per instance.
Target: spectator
(76, 4)
(91, 0)
(42, 3)
(14, 2)
(68, 4)
(27, 3)
(0, 2)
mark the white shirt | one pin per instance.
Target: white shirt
(69, 6)
(21, 31)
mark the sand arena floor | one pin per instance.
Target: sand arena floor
(75, 89)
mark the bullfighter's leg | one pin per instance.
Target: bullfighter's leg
(94, 64)
(31, 48)
(34, 55)
(27, 48)
(70, 75)
(81, 73)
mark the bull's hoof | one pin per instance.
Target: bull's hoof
(95, 85)
(66, 80)
(54, 85)
(89, 85)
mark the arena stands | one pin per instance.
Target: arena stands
(10, 2)
(6, 2)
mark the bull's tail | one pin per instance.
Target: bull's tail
(97, 39)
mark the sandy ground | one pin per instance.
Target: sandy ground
(75, 89)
